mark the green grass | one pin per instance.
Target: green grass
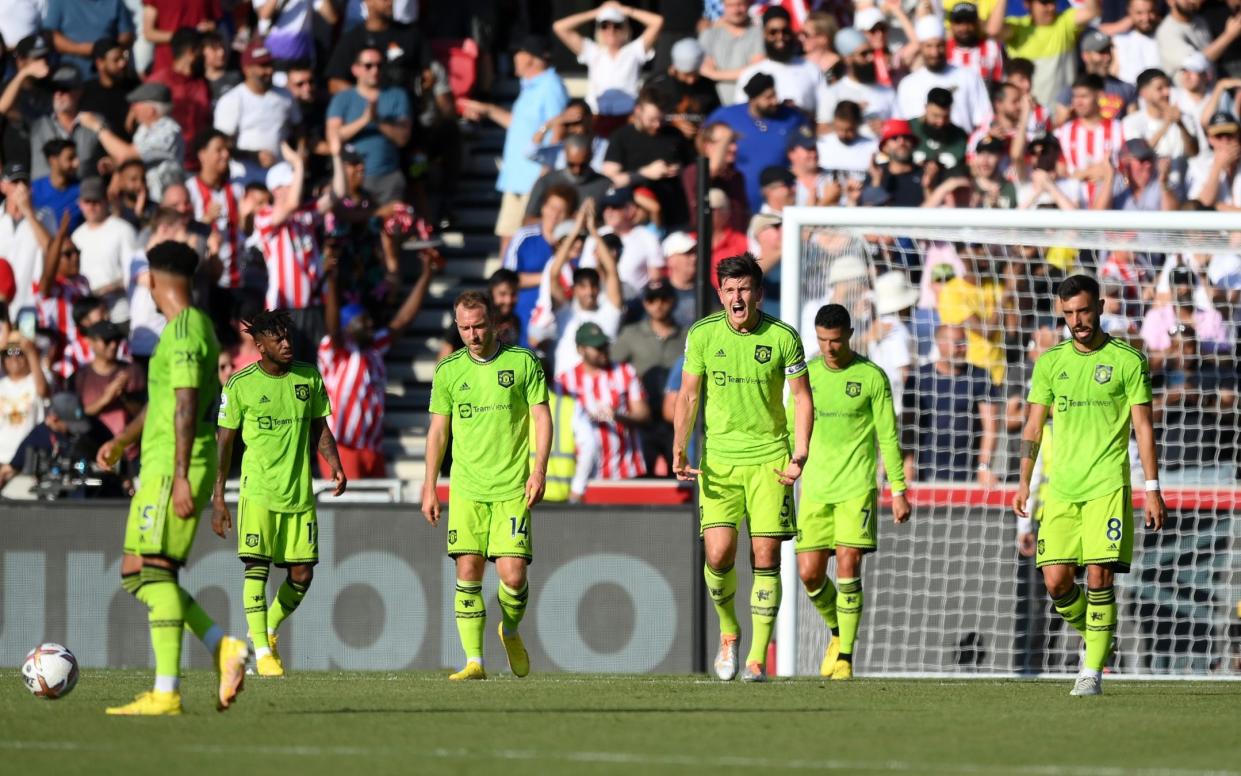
(351, 724)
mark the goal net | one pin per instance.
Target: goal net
(955, 306)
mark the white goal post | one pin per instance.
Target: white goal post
(949, 593)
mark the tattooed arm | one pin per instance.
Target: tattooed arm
(326, 445)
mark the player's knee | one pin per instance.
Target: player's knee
(720, 559)
(811, 578)
(302, 575)
(1058, 585)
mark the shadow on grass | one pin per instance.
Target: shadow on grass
(560, 710)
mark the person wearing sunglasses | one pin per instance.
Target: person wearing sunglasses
(23, 388)
(613, 61)
(796, 79)
(376, 120)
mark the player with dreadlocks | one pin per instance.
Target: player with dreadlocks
(279, 405)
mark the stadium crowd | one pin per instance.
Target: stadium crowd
(299, 146)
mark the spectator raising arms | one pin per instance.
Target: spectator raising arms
(613, 61)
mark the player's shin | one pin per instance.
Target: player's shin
(167, 617)
(471, 619)
(824, 600)
(288, 598)
(1072, 607)
(849, 603)
(200, 623)
(254, 593)
(722, 587)
(764, 604)
(513, 605)
(1100, 626)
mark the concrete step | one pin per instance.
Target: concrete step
(420, 371)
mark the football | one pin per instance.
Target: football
(50, 671)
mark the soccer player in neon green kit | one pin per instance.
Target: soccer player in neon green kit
(486, 394)
(839, 507)
(742, 358)
(178, 463)
(280, 406)
(1098, 386)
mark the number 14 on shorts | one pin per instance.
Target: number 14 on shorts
(520, 525)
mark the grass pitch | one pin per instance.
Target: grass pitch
(346, 723)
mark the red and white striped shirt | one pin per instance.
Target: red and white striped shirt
(986, 59)
(616, 389)
(355, 379)
(227, 223)
(54, 307)
(291, 252)
(1082, 145)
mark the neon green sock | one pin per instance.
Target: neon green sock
(722, 587)
(512, 605)
(200, 623)
(471, 618)
(166, 618)
(288, 598)
(849, 602)
(824, 599)
(1072, 607)
(1100, 626)
(254, 594)
(764, 603)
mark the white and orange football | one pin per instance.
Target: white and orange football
(50, 671)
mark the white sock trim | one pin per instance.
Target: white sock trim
(167, 683)
(261, 652)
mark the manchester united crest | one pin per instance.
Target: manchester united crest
(852, 389)
(505, 378)
(302, 391)
(1103, 373)
(762, 353)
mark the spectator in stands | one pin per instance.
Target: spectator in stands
(652, 346)
(892, 58)
(28, 90)
(22, 391)
(286, 30)
(725, 240)
(968, 48)
(75, 26)
(74, 351)
(1136, 49)
(576, 173)
(687, 96)
(846, 152)
(976, 301)
(1089, 142)
(1212, 180)
(67, 431)
(104, 95)
(158, 140)
(1117, 97)
(612, 407)
(217, 204)
(128, 195)
(939, 140)
(1161, 124)
(1038, 181)
(642, 258)
(812, 184)
(1184, 32)
(650, 153)
(111, 389)
(502, 288)
(575, 119)
(777, 186)
(613, 61)
(533, 246)
(61, 285)
(1020, 73)
(24, 236)
(351, 360)
(407, 52)
(163, 19)
(57, 191)
(1198, 98)
(681, 256)
(376, 120)
(257, 116)
(859, 84)
(146, 322)
(889, 341)
(796, 79)
(1048, 38)
(971, 106)
(105, 242)
(718, 142)
(956, 409)
(191, 96)
(542, 97)
(729, 45)
(1009, 109)
(991, 188)
(1185, 308)
(62, 122)
(762, 126)
(217, 68)
(817, 38)
(900, 177)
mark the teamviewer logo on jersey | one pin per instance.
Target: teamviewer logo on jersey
(1102, 374)
(465, 410)
(762, 353)
(505, 378)
(302, 391)
(853, 389)
(719, 378)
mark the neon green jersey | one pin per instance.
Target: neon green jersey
(1090, 395)
(274, 414)
(488, 405)
(744, 375)
(851, 407)
(186, 356)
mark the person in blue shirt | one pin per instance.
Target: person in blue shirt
(377, 122)
(763, 126)
(76, 25)
(533, 246)
(57, 192)
(542, 98)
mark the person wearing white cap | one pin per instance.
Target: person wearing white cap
(681, 256)
(796, 78)
(613, 62)
(889, 342)
(893, 54)
(1136, 49)
(1047, 38)
(860, 84)
(1192, 92)
(688, 96)
(971, 105)
(846, 285)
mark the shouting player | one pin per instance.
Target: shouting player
(838, 513)
(486, 394)
(743, 357)
(281, 406)
(178, 459)
(1098, 385)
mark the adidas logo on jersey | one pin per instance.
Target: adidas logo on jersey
(465, 386)
(1063, 376)
(719, 353)
(263, 400)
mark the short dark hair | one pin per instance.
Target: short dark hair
(474, 300)
(833, 316)
(275, 323)
(301, 64)
(650, 96)
(578, 102)
(132, 161)
(939, 97)
(743, 266)
(1020, 66)
(1088, 81)
(586, 274)
(204, 138)
(175, 258)
(1148, 75)
(998, 89)
(1077, 284)
(255, 186)
(84, 306)
(56, 146)
(185, 39)
(848, 110)
(565, 192)
(503, 277)
(370, 45)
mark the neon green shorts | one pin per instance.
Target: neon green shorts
(279, 538)
(153, 527)
(493, 529)
(1098, 532)
(850, 523)
(729, 494)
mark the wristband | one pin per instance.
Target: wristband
(1152, 485)
(900, 492)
